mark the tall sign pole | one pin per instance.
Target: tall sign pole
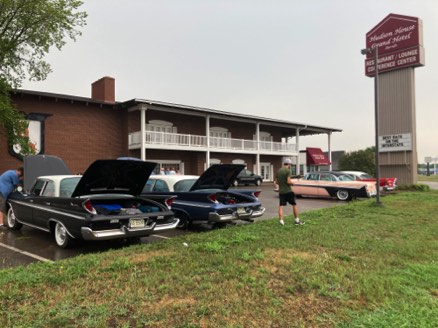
(393, 48)
(376, 119)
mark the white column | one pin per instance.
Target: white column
(207, 132)
(258, 148)
(143, 131)
(297, 136)
(329, 149)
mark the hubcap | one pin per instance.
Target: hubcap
(60, 234)
(11, 217)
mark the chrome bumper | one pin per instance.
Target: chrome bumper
(216, 217)
(125, 232)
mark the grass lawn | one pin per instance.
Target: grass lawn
(356, 265)
(433, 177)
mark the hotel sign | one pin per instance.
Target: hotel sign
(395, 142)
(399, 40)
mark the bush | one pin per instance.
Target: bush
(413, 187)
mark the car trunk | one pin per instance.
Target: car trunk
(124, 212)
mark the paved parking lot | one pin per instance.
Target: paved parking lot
(31, 245)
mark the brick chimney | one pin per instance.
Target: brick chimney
(104, 90)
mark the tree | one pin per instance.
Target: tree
(28, 30)
(360, 160)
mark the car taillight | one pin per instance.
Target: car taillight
(213, 198)
(88, 206)
(257, 193)
(169, 202)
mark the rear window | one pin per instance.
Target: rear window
(184, 185)
(67, 186)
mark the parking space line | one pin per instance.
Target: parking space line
(39, 258)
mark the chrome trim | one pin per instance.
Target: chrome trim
(167, 226)
(50, 210)
(215, 217)
(189, 203)
(89, 234)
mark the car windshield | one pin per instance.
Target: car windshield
(67, 186)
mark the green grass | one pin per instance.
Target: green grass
(433, 177)
(357, 265)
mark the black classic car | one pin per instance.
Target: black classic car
(246, 177)
(101, 204)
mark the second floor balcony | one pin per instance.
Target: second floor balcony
(178, 141)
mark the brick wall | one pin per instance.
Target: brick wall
(77, 132)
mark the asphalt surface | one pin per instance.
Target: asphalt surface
(30, 245)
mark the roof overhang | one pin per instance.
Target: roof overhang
(302, 128)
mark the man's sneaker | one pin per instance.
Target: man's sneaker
(281, 222)
(299, 223)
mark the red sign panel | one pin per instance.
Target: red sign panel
(394, 33)
(399, 40)
(400, 59)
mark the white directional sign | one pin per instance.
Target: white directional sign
(395, 142)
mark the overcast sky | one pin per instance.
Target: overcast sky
(297, 60)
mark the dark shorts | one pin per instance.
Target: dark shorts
(287, 198)
(2, 203)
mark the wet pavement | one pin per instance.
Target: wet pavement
(29, 245)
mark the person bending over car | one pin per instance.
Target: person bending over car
(9, 180)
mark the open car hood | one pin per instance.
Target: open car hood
(218, 176)
(114, 177)
(39, 165)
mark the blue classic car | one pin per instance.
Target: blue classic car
(102, 204)
(206, 198)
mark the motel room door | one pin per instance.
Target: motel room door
(266, 171)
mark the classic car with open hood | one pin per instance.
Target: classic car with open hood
(102, 204)
(206, 198)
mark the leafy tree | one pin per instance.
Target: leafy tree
(28, 29)
(360, 160)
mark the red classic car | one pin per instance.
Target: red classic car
(385, 183)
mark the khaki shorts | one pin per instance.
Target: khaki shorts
(2, 204)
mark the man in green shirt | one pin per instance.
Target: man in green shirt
(284, 182)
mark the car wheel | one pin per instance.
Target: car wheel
(343, 194)
(12, 220)
(183, 221)
(62, 237)
(235, 183)
(258, 182)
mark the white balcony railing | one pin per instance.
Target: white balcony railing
(196, 142)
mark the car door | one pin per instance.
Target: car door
(326, 182)
(42, 210)
(307, 186)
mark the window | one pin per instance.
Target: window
(313, 177)
(37, 187)
(49, 190)
(184, 185)
(161, 186)
(161, 126)
(67, 186)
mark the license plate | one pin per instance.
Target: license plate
(241, 210)
(136, 223)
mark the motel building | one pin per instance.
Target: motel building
(189, 139)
